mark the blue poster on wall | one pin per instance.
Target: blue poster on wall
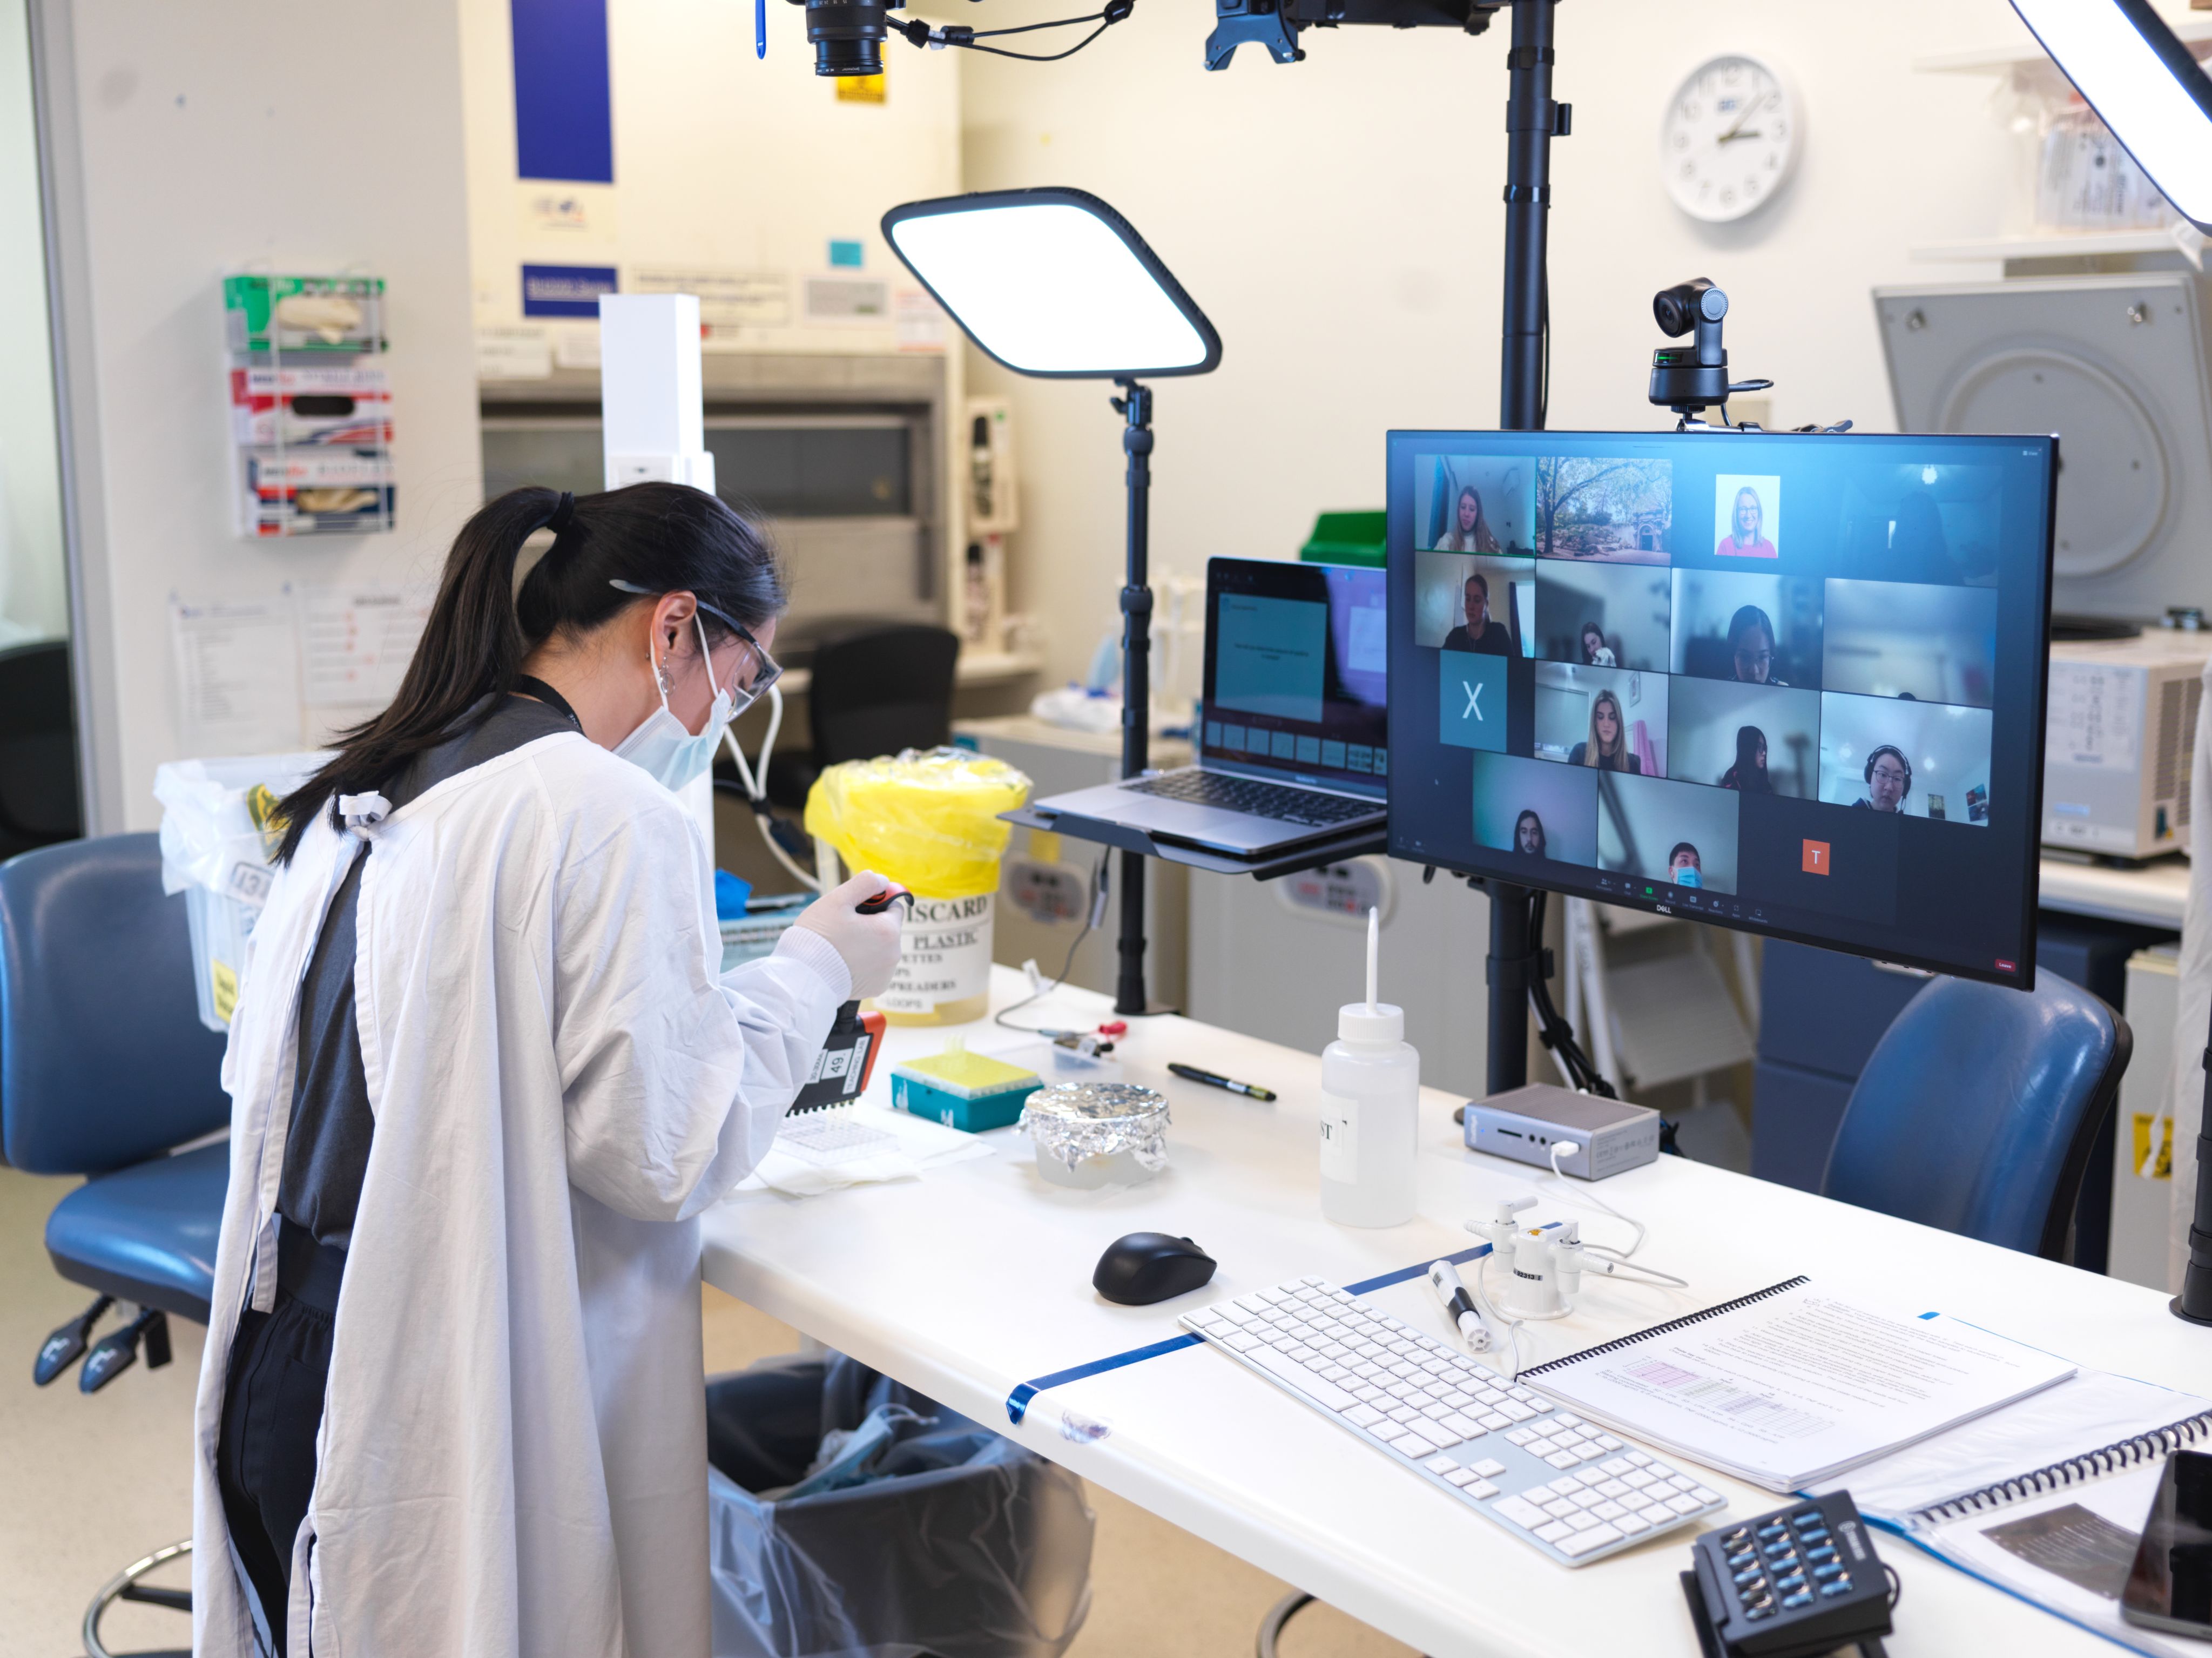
(563, 98)
(565, 290)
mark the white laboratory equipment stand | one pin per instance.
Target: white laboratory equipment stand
(652, 411)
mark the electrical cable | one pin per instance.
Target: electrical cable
(1552, 1029)
(1595, 1202)
(918, 32)
(1090, 921)
(754, 781)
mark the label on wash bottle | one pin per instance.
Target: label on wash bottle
(1339, 1138)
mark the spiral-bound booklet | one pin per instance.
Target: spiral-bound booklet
(1791, 1385)
(2047, 1500)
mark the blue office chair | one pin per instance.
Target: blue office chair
(105, 1067)
(1979, 1108)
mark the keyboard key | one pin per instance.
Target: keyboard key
(1401, 1414)
(1618, 1466)
(1542, 1447)
(1527, 1397)
(1454, 1474)
(1614, 1487)
(1463, 1426)
(1241, 1343)
(1441, 1465)
(1521, 1512)
(1557, 1533)
(1583, 1520)
(1438, 1430)
(1489, 1467)
(1365, 1416)
(1559, 1509)
(1633, 1524)
(1586, 1499)
(1684, 1504)
(1584, 1542)
(1517, 1413)
(1492, 1421)
(1637, 1478)
(1608, 1442)
(1565, 1421)
(1293, 1374)
(1481, 1488)
(1705, 1494)
(1655, 1516)
(1639, 1458)
(1561, 1459)
(1521, 1435)
(1408, 1443)
(1425, 1440)
(1608, 1510)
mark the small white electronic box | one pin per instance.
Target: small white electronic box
(1606, 1137)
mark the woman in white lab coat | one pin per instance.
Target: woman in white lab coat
(484, 1076)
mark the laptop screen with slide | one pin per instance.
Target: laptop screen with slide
(1297, 673)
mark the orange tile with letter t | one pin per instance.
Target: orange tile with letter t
(1816, 858)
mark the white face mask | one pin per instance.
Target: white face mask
(661, 747)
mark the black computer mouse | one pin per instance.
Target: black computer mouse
(1148, 1267)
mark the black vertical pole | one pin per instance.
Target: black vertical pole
(2195, 1301)
(1135, 405)
(1531, 119)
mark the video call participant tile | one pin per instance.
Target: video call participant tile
(1472, 711)
(1921, 522)
(1750, 629)
(1601, 718)
(1748, 508)
(1619, 511)
(1900, 638)
(1757, 739)
(1800, 855)
(1473, 504)
(1667, 833)
(1913, 759)
(1603, 615)
(1486, 606)
(1534, 810)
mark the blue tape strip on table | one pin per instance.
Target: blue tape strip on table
(1017, 1402)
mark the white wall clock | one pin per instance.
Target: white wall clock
(1730, 137)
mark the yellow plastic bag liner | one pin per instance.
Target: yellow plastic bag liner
(929, 822)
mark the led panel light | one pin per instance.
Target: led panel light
(2144, 85)
(1053, 282)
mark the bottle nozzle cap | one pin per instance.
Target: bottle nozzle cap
(1359, 1021)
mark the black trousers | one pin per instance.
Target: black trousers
(272, 1406)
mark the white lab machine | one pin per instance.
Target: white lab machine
(2121, 734)
(2114, 365)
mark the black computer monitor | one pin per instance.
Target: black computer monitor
(1789, 684)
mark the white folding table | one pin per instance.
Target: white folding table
(976, 1278)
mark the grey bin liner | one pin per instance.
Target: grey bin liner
(956, 1544)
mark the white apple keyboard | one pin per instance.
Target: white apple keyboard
(1563, 1485)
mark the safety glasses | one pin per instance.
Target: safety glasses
(766, 669)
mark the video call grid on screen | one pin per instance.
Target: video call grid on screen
(1787, 683)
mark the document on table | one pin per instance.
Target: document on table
(1794, 1385)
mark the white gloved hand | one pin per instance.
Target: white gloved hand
(868, 944)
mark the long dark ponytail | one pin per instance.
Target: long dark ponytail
(665, 538)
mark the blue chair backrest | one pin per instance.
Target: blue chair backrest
(1979, 1109)
(103, 1060)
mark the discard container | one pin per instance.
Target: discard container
(219, 828)
(929, 822)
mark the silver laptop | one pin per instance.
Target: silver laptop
(1294, 746)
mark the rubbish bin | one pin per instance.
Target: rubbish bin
(849, 1516)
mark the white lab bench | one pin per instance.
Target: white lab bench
(977, 1277)
(2153, 896)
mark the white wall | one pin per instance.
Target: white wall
(189, 141)
(1340, 221)
(722, 160)
(33, 588)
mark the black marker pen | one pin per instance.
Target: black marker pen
(1250, 1090)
